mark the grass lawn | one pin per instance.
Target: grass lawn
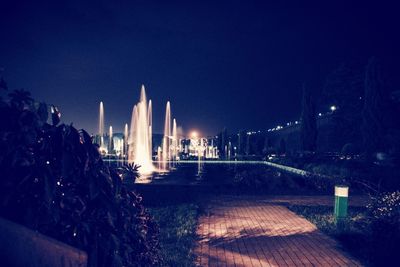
(178, 225)
(354, 235)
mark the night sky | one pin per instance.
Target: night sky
(238, 64)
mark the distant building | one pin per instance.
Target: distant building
(198, 147)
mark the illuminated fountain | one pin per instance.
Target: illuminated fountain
(174, 142)
(165, 156)
(101, 127)
(110, 141)
(140, 150)
(159, 153)
(150, 121)
(125, 147)
(136, 145)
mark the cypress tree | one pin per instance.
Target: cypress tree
(376, 103)
(308, 127)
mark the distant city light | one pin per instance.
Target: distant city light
(320, 114)
(333, 108)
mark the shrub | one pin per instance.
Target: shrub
(386, 207)
(53, 180)
(270, 180)
(384, 211)
(178, 225)
(353, 236)
(349, 149)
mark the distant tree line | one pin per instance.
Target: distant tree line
(364, 120)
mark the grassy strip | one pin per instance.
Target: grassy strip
(354, 236)
(178, 225)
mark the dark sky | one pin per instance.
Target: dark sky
(238, 64)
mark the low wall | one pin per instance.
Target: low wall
(22, 247)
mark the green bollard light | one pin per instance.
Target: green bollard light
(341, 203)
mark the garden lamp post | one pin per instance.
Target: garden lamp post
(341, 202)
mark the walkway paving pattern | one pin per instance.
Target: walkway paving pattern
(242, 232)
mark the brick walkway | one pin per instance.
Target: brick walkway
(238, 232)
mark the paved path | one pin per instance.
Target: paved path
(243, 232)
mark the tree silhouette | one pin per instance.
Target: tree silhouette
(242, 142)
(344, 88)
(20, 98)
(376, 104)
(282, 146)
(3, 85)
(223, 143)
(308, 127)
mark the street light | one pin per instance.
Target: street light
(333, 108)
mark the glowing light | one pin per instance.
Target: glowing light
(101, 126)
(194, 134)
(166, 142)
(174, 140)
(101, 119)
(125, 142)
(333, 108)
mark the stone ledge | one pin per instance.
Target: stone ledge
(20, 246)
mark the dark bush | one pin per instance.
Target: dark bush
(53, 180)
(349, 149)
(384, 212)
(272, 181)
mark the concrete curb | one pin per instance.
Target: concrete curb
(20, 246)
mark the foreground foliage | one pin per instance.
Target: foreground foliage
(370, 234)
(384, 211)
(178, 225)
(53, 180)
(267, 180)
